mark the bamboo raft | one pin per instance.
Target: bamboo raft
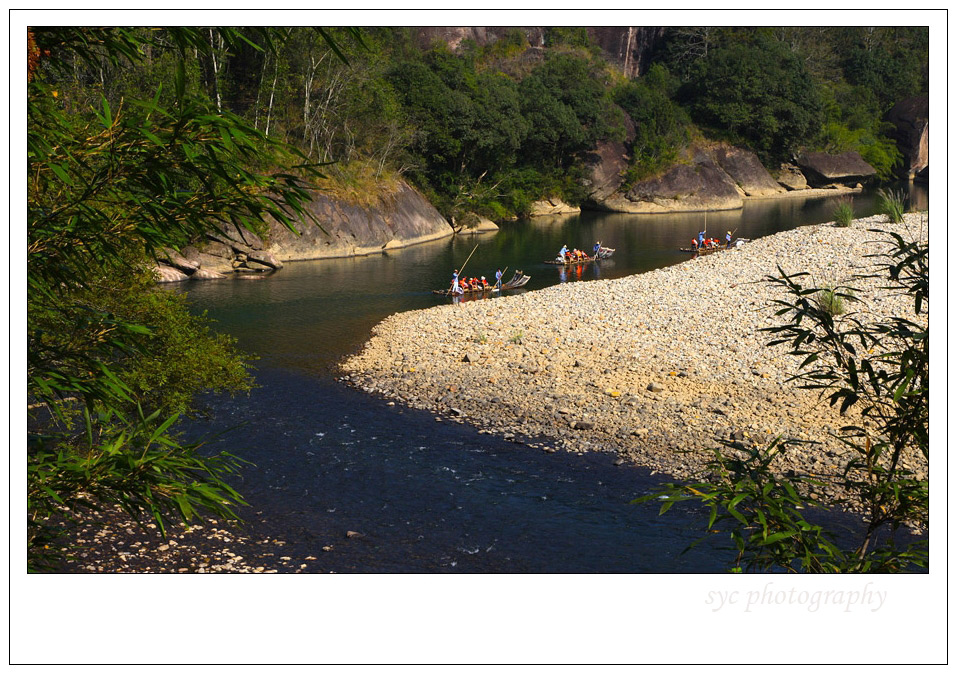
(603, 254)
(517, 281)
(705, 250)
(571, 263)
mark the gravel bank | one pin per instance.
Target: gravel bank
(111, 542)
(655, 366)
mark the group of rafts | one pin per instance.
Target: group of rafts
(474, 286)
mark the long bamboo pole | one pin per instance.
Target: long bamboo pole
(463, 265)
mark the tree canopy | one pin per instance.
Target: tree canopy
(112, 362)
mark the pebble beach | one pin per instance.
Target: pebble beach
(657, 367)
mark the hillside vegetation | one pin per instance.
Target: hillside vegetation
(491, 128)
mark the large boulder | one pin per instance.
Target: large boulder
(472, 223)
(696, 185)
(911, 129)
(791, 178)
(206, 275)
(747, 171)
(823, 170)
(552, 207)
(170, 257)
(265, 258)
(165, 274)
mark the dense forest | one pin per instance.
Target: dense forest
(491, 128)
(140, 139)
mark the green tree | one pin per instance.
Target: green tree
(662, 127)
(758, 93)
(110, 361)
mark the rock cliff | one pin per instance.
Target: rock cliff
(340, 229)
(627, 47)
(911, 130)
(402, 218)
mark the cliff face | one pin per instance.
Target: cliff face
(402, 219)
(712, 177)
(628, 47)
(910, 121)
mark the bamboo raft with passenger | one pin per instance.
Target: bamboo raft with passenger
(707, 250)
(569, 258)
(517, 281)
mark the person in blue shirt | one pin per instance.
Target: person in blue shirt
(563, 252)
(728, 239)
(700, 239)
(498, 279)
(455, 283)
(597, 248)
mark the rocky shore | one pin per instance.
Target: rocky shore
(112, 542)
(657, 367)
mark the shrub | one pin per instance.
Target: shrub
(880, 369)
(891, 203)
(843, 213)
(830, 300)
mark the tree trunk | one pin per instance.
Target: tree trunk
(259, 89)
(212, 52)
(272, 95)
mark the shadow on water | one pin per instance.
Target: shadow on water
(431, 496)
(434, 496)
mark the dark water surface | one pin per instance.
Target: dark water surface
(433, 496)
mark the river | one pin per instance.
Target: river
(431, 495)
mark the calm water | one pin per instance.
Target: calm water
(438, 496)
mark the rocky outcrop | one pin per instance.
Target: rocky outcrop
(747, 171)
(227, 250)
(166, 274)
(453, 36)
(910, 121)
(179, 261)
(824, 170)
(341, 229)
(552, 207)
(606, 165)
(709, 177)
(627, 47)
(336, 229)
(699, 184)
